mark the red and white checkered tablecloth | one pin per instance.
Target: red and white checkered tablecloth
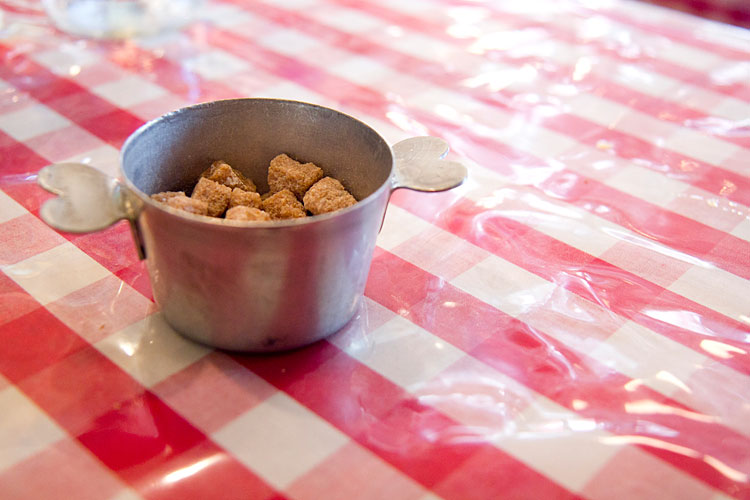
(572, 322)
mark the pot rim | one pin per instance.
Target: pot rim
(215, 221)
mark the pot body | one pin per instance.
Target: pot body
(263, 286)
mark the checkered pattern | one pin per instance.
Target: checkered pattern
(572, 322)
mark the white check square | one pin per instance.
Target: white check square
(67, 59)
(295, 92)
(648, 82)
(399, 226)
(294, 4)
(150, 350)
(9, 208)
(654, 187)
(405, 353)
(280, 439)
(104, 158)
(55, 273)
(684, 55)
(126, 494)
(289, 42)
(640, 353)
(742, 230)
(732, 108)
(716, 288)
(129, 91)
(362, 70)
(216, 64)
(223, 15)
(701, 146)
(31, 121)
(546, 431)
(510, 288)
(26, 430)
(348, 20)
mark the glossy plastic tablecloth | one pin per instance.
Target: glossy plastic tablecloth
(573, 321)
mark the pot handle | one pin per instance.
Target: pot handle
(87, 200)
(419, 165)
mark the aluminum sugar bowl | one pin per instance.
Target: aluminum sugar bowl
(250, 286)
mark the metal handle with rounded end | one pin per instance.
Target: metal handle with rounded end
(419, 165)
(87, 200)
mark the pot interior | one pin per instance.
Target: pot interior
(169, 153)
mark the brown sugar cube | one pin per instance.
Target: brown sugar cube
(223, 173)
(284, 205)
(192, 205)
(327, 195)
(244, 213)
(178, 200)
(244, 198)
(215, 194)
(286, 173)
(165, 195)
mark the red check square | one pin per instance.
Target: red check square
(64, 470)
(113, 247)
(358, 474)
(139, 435)
(33, 342)
(101, 308)
(24, 237)
(16, 301)
(80, 388)
(62, 144)
(213, 391)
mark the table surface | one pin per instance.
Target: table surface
(573, 321)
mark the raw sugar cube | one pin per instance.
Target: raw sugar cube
(221, 172)
(244, 213)
(187, 204)
(165, 195)
(179, 201)
(284, 205)
(327, 195)
(286, 173)
(244, 198)
(214, 194)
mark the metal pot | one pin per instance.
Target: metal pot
(250, 286)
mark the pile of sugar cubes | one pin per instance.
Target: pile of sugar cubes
(296, 189)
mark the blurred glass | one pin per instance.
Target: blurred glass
(120, 18)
